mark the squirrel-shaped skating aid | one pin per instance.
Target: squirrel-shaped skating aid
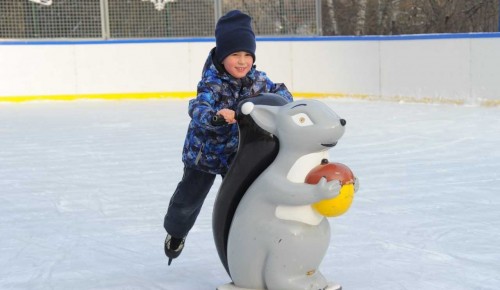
(266, 230)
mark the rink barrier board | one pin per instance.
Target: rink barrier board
(482, 93)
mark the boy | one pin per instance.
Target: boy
(229, 75)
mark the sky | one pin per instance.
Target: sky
(84, 187)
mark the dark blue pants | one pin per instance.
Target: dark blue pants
(187, 200)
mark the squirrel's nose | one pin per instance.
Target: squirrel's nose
(343, 122)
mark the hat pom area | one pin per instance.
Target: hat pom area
(234, 33)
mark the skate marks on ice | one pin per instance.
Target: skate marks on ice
(84, 187)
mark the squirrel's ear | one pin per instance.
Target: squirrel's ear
(265, 117)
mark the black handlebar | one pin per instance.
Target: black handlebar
(218, 120)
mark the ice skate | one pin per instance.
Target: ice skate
(173, 247)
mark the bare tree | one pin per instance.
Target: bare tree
(395, 11)
(331, 17)
(361, 17)
(381, 16)
(385, 17)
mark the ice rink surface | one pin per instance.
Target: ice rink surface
(84, 187)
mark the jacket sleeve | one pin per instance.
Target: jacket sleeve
(202, 109)
(281, 89)
(277, 88)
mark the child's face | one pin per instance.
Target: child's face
(238, 64)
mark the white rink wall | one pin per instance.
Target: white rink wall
(456, 68)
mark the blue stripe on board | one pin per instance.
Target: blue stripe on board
(261, 38)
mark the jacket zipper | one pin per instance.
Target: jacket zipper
(198, 157)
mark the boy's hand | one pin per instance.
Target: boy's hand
(228, 114)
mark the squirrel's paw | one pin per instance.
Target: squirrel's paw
(356, 184)
(328, 189)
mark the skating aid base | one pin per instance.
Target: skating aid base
(231, 286)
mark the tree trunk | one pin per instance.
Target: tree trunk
(331, 14)
(394, 16)
(361, 18)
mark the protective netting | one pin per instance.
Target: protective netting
(103, 19)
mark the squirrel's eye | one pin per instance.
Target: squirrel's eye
(302, 119)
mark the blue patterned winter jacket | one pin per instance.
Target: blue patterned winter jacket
(212, 148)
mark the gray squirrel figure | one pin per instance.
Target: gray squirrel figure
(267, 234)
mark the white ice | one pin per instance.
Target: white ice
(84, 187)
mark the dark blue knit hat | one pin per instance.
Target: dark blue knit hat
(234, 33)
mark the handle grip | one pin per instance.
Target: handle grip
(218, 120)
